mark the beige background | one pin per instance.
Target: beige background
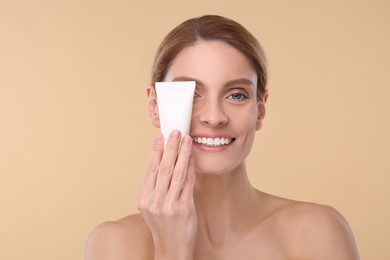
(75, 136)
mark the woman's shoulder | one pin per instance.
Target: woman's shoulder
(300, 212)
(126, 238)
(312, 230)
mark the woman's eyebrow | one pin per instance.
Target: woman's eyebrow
(184, 78)
(242, 81)
(230, 83)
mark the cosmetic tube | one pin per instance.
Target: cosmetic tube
(175, 101)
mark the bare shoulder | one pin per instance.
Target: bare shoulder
(127, 238)
(314, 231)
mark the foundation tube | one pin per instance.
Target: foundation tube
(175, 101)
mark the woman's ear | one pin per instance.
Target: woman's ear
(261, 111)
(153, 106)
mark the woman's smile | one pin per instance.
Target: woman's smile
(210, 141)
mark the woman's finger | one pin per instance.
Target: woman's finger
(167, 164)
(187, 193)
(150, 177)
(180, 171)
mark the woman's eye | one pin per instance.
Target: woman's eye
(238, 96)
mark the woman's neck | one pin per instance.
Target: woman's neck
(225, 203)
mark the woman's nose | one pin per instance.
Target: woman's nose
(213, 114)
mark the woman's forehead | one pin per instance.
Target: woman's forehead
(210, 61)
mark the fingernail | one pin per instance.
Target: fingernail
(187, 139)
(175, 134)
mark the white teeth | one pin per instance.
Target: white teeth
(218, 141)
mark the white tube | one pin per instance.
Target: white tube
(175, 106)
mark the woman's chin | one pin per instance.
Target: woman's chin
(213, 169)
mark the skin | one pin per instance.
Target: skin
(196, 202)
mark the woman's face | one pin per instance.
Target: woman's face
(226, 112)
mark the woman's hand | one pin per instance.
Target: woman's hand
(166, 198)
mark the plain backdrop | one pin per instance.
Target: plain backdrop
(75, 135)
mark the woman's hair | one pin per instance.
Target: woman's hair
(211, 28)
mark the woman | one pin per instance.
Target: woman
(196, 201)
